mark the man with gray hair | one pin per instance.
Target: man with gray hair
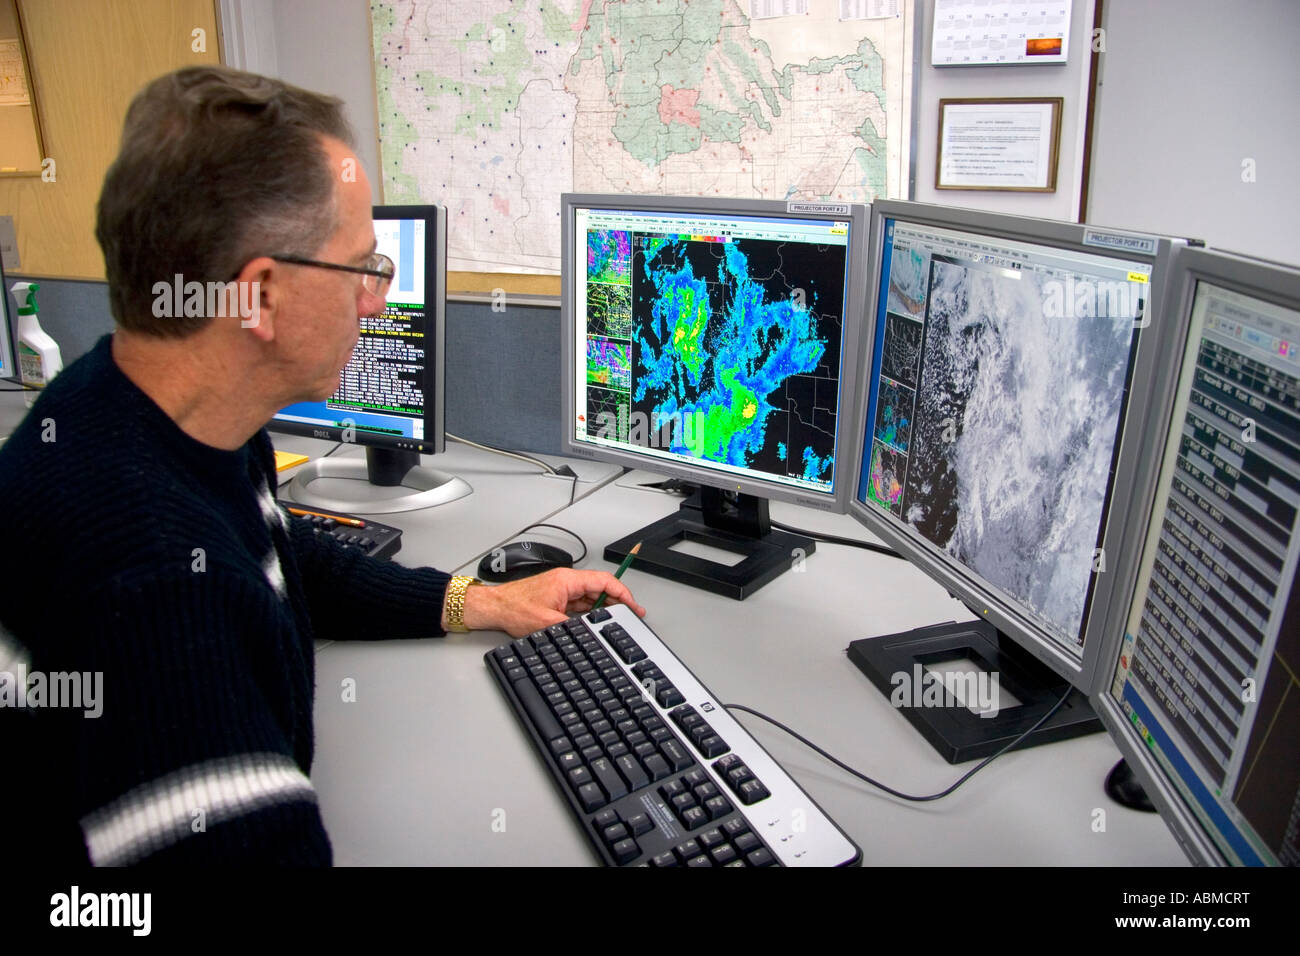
(143, 484)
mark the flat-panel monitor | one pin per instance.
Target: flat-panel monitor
(712, 340)
(1007, 372)
(390, 394)
(1202, 691)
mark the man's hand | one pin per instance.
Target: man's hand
(521, 607)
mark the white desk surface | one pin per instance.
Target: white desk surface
(509, 494)
(429, 766)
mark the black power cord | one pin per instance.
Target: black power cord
(890, 790)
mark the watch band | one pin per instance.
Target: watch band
(455, 603)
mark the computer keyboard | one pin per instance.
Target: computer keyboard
(654, 769)
(375, 539)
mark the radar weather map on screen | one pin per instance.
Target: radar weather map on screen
(712, 339)
(998, 386)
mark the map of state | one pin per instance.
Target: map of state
(495, 108)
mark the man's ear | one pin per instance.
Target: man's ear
(260, 291)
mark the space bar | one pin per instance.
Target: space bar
(538, 712)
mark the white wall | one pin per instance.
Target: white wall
(1068, 80)
(321, 45)
(1190, 89)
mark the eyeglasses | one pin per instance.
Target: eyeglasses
(376, 275)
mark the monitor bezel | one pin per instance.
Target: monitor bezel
(1274, 282)
(834, 500)
(434, 441)
(8, 331)
(1133, 476)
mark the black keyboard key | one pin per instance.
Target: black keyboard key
(598, 615)
(663, 859)
(671, 789)
(699, 861)
(639, 823)
(713, 746)
(657, 767)
(568, 761)
(688, 850)
(751, 791)
(631, 770)
(705, 790)
(608, 778)
(625, 851)
(760, 857)
(686, 716)
(711, 838)
(695, 778)
(738, 776)
(723, 855)
(726, 763)
(669, 696)
(717, 807)
(579, 777)
(547, 726)
(591, 797)
(615, 832)
(747, 843)
(606, 818)
(694, 817)
(734, 828)
(675, 754)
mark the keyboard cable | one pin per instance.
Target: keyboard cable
(890, 790)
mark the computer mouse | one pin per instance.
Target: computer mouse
(521, 559)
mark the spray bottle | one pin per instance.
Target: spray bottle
(38, 354)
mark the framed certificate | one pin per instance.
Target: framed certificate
(1007, 144)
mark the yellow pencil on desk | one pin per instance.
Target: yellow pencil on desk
(304, 513)
(600, 601)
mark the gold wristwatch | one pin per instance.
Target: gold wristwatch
(455, 603)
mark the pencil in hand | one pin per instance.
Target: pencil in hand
(600, 601)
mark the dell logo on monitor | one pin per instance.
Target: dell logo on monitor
(321, 432)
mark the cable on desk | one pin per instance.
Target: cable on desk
(876, 783)
(834, 539)
(543, 524)
(501, 451)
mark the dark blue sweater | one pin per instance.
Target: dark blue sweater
(162, 565)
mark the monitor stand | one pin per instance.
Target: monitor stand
(1123, 787)
(720, 519)
(383, 467)
(905, 667)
